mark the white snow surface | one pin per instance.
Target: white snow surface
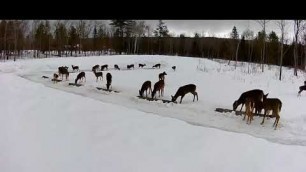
(56, 127)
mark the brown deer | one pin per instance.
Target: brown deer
(161, 76)
(183, 90)
(156, 65)
(80, 76)
(256, 95)
(141, 65)
(274, 105)
(108, 80)
(75, 68)
(130, 66)
(249, 106)
(98, 74)
(116, 67)
(55, 77)
(145, 86)
(95, 68)
(174, 67)
(302, 88)
(104, 67)
(63, 70)
(158, 86)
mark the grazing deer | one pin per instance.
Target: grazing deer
(98, 74)
(249, 106)
(182, 91)
(145, 86)
(161, 76)
(80, 76)
(174, 67)
(95, 68)
(63, 70)
(55, 77)
(108, 80)
(274, 105)
(130, 66)
(256, 95)
(104, 67)
(158, 86)
(75, 68)
(141, 65)
(116, 67)
(156, 65)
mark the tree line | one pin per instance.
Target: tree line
(65, 38)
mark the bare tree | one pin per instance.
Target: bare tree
(263, 24)
(249, 35)
(297, 27)
(282, 26)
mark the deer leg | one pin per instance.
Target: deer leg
(241, 107)
(146, 93)
(181, 99)
(263, 120)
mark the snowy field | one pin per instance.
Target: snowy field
(56, 127)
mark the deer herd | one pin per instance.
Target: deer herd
(252, 99)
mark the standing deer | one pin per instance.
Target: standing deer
(130, 66)
(145, 87)
(55, 77)
(274, 105)
(161, 76)
(182, 91)
(249, 106)
(75, 68)
(98, 74)
(156, 65)
(256, 95)
(116, 67)
(158, 86)
(108, 80)
(63, 70)
(95, 68)
(80, 76)
(141, 65)
(104, 67)
(302, 88)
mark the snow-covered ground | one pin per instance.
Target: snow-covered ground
(47, 129)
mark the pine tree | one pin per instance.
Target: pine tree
(234, 33)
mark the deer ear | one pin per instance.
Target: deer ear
(266, 95)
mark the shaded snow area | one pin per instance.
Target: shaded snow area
(60, 128)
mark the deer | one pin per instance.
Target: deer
(104, 67)
(75, 68)
(274, 105)
(174, 67)
(98, 74)
(249, 106)
(158, 86)
(95, 68)
(145, 87)
(55, 77)
(256, 94)
(141, 65)
(116, 67)
(130, 66)
(80, 76)
(183, 90)
(302, 88)
(108, 80)
(63, 70)
(161, 76)
(156, 65)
